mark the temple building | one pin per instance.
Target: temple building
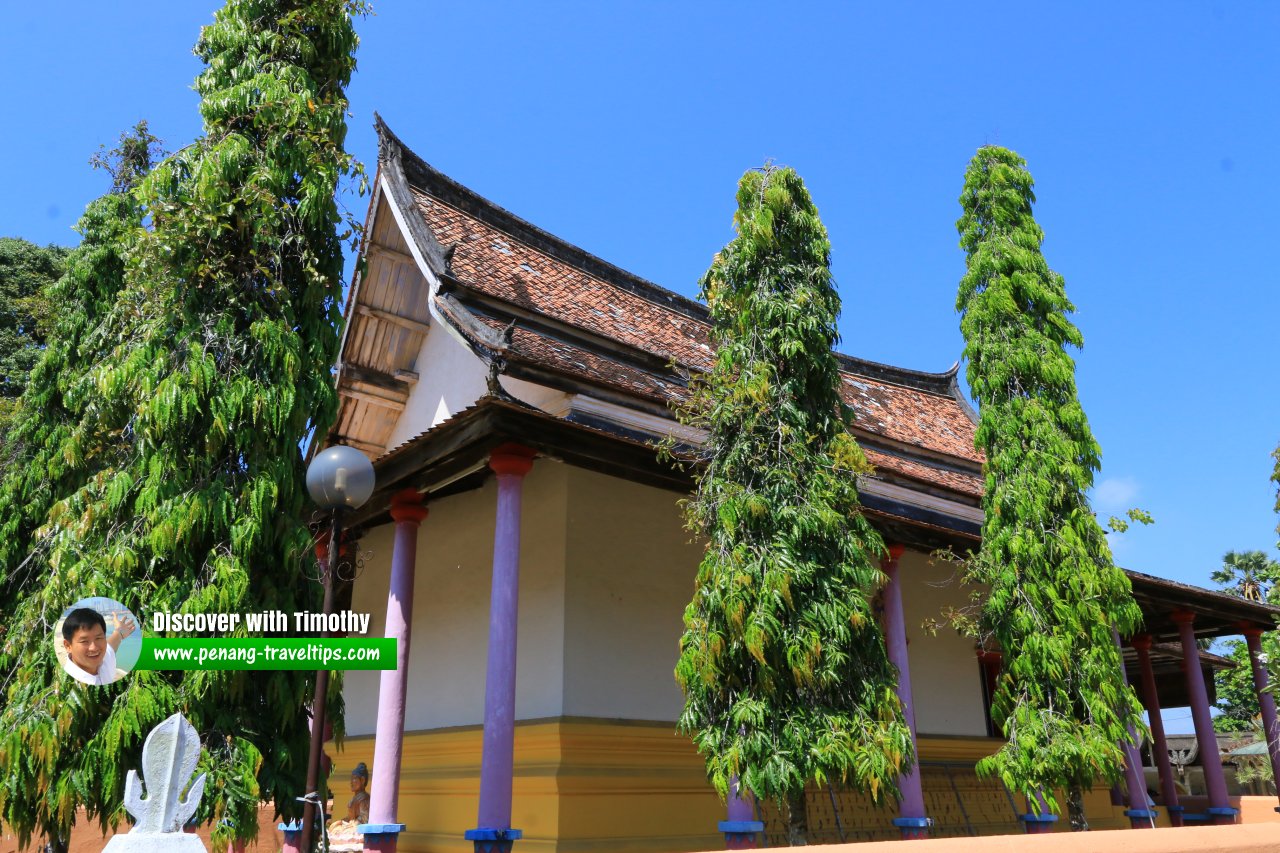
(526, 545)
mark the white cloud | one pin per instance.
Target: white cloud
(1115, 494)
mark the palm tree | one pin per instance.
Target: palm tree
(1249, 574)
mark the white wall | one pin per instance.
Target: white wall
(451, 377)
(629, 575)
(450, 629)
(945, 678)
(606, 571)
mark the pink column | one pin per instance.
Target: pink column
(1220, 810)
(1140, 815)
(384, 827)
(741, 828)
(1159, 746)
(912, 820)
(1266, 701)
(493, 833)
(292, 832)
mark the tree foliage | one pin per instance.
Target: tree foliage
(218, 352)
(27, 271)
(1054, 594)
(783, 666)
(1251, 575)
(1237, 700)
(1254, 576)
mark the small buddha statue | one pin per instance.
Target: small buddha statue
(358, 805)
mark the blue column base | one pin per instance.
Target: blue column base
(493, 840)
(1036, 824)
(292, 833)
(913, 827)
(740, 834)
(380, 828)
(1222, 815)
(1181, 809)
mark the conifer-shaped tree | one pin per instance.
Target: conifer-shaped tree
(1054, 593)
(27, 271)
(783, 665)
(42, 463)
(221, 343)
(44, 775)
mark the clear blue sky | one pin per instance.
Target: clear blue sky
(1151, 129)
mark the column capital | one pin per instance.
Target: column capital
(512, 458)
(407, 506)
(1183, 617)
(1141, 642)
(895, 550)
(1250, 630)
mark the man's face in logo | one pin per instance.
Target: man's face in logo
(86, 648)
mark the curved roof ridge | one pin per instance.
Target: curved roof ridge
(426, 177)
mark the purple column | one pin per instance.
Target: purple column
(1140, 814)
(493, 833)
(1220, 810)
(1159, 746)
(383, 828)
(1266, 701)
(911, 820)
(741, 828)
(1038, 820)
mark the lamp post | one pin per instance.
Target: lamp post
(339, 478)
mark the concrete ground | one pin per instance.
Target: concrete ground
(1242, 838)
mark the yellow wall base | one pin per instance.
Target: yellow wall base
(595, 785)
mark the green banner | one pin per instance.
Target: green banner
(267, 653)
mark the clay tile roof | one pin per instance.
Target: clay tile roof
(500, 256)
(956, 481)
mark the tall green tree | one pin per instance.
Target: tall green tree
(45, 774)
(27, 271)
(41, 461)
(783, 665)
(224, 334)
(1054, 593)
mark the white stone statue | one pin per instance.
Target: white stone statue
(169, 759)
